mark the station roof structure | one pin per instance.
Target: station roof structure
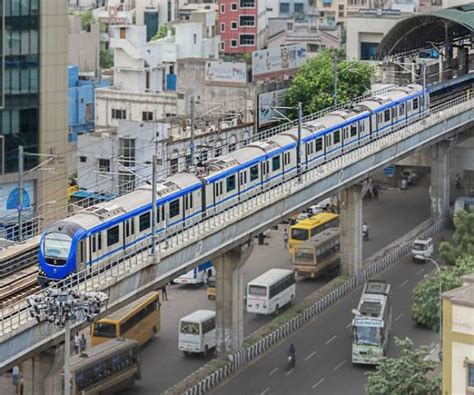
(439, 27)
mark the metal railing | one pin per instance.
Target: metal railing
(176, 237)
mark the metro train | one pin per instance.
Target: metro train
(109, 229)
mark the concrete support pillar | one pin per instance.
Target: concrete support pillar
(440, 181)
(42, 374)
(351, 228)
(230, 299)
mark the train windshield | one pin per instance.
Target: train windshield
(57, 245)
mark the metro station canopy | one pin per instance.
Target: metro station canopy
(416, 32)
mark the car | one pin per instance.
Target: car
(410, 175)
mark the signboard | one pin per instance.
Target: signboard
(267, 114)
(9, 194)
(371, 323)
(389, 171)
(274, 62)
(230, 72)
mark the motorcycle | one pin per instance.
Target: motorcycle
(365, 235)
(291, 361)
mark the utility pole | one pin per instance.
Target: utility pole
(298, 151)
(67, 358)
(153, 209)
(335, 80)
(191, 143)
(20, 191)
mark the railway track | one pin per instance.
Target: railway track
(18, 285)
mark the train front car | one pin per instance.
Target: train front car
(57, 251)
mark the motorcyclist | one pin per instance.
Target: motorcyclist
(365, 231)
(292, 354)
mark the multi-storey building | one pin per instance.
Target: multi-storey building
(145, 72)
(33, 105)
(242, 25)
(458, 339)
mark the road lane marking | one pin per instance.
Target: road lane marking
(420, 271)
(273, 371)
(331, 339)
(310, 355)
(319, 382)
(342, 363)
(348, 325)
(404, 283)
(265, 391)
(289, 372)
(399, 316)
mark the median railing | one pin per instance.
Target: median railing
(247, 354)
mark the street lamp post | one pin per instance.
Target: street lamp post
(62, 308)
(438, 268)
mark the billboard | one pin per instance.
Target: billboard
(230, 72)
(266, 114)
(9, 194)
(274, 62)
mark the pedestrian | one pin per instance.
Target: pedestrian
(76, 343)
(83, 343)
(164, 294)
(16, 375)
(285, 238)
(458, 182)
(375, 192)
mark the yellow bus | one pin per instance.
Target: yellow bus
(310, 227)
(317, 255)
(140, 321)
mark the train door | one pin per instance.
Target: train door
(265, 168)
(95, 247)
(81, 257)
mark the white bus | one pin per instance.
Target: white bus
(271, 291)
(198, 275)
(197, 332)
(372, 323)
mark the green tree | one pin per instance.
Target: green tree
(408, 374)
(463, 238)
(162, 32)
(106, 59)
(86, 20)
(313, 85)
(425, 308)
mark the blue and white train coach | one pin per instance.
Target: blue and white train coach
(110, 229)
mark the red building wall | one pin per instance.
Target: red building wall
(232, 41)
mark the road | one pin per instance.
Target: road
(323, 346)
(163, 365)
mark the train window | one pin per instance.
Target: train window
(94, 244)
(337, 136)
(185, 197)
(402, 109)
(415, 104)
(99, 241)
(230, 181)
(132, 226)
(319, 144)
(386, 116)
(353, 130)
(112, 236)
(144, 222)
(276, 163)
(253, 173)
(394, 112)
(174, 208)
(163, 212)
(191, 200)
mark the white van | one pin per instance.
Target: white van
(197, 332)
(422, 249)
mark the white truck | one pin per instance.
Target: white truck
(422, 249)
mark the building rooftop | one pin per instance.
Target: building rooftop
(463, 295)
